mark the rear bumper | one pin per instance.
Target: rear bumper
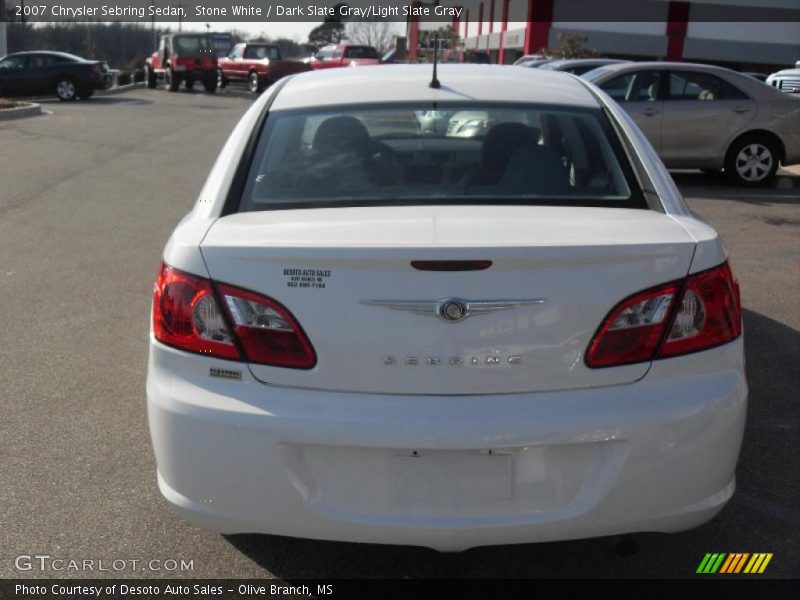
(195, 74)
(241, 456)
(96, 82)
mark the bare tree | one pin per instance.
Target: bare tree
(378, 34)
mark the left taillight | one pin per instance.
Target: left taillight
(247, 326)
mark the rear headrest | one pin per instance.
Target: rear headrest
(503, 140)
(342, 134)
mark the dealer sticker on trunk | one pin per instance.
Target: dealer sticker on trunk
(306, 278)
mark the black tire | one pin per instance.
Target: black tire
(188, 84)
(66, 89)
(222, 81)
(150, 80)
(752, 160)
(86, 95)
(255, 83)
(210, 84)
(173, 83)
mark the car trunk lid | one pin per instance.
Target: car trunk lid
(339, 271)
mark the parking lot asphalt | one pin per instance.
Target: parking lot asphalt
(89, 195)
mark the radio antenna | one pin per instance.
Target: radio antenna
(435, 81)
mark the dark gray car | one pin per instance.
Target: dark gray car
(706, 117)
(65, 75)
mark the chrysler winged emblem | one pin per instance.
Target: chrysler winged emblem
(452, 310)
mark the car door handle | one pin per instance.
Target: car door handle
(741, 109)
(650, 111)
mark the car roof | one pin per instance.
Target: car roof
(410, 83)
(588, 61)
(47, 53)
(659, 64)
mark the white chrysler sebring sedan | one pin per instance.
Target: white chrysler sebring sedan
(370, 332)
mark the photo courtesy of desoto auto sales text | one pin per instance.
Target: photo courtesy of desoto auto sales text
(333, 299)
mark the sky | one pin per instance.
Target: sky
(297, 31)
(294, 31)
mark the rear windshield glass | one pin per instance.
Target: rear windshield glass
(190, 44)
(361, 52)
(261, 52)
(473, 154)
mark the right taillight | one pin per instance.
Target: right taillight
(670, 320)
(193, 314)
(709, 314)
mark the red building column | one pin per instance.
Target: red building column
(501, 54)
(677, 26)
(413, 33)
(540, 19)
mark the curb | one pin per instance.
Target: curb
(120, 89)
(20, 112)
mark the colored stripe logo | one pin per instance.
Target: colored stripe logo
(734, 563)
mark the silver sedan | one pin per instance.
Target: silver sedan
(706, 117)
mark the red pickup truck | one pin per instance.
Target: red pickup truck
(344, 55)
(259, 65)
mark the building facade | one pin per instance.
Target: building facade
(648, 29)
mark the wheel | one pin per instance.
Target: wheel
(221, 81)
(210, 84)
(188, 84)
(752, 160)
(150, 78)
(86, 95)
(173, 83)
(66, 89)
(255, 84)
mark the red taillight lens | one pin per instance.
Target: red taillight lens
(186, 315)
(633, 329)
(269, 334)
(709, 314)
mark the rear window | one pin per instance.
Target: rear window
(458, 154)
(262, 52)
(357, 52)
(190, 44)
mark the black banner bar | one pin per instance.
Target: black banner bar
(444, 11)
(383, 589)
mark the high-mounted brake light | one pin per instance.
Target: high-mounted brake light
(248, 327)
(699, 313)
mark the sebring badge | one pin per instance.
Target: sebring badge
(452, 310)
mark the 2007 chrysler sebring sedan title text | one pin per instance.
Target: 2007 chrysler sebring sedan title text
(372, 331)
